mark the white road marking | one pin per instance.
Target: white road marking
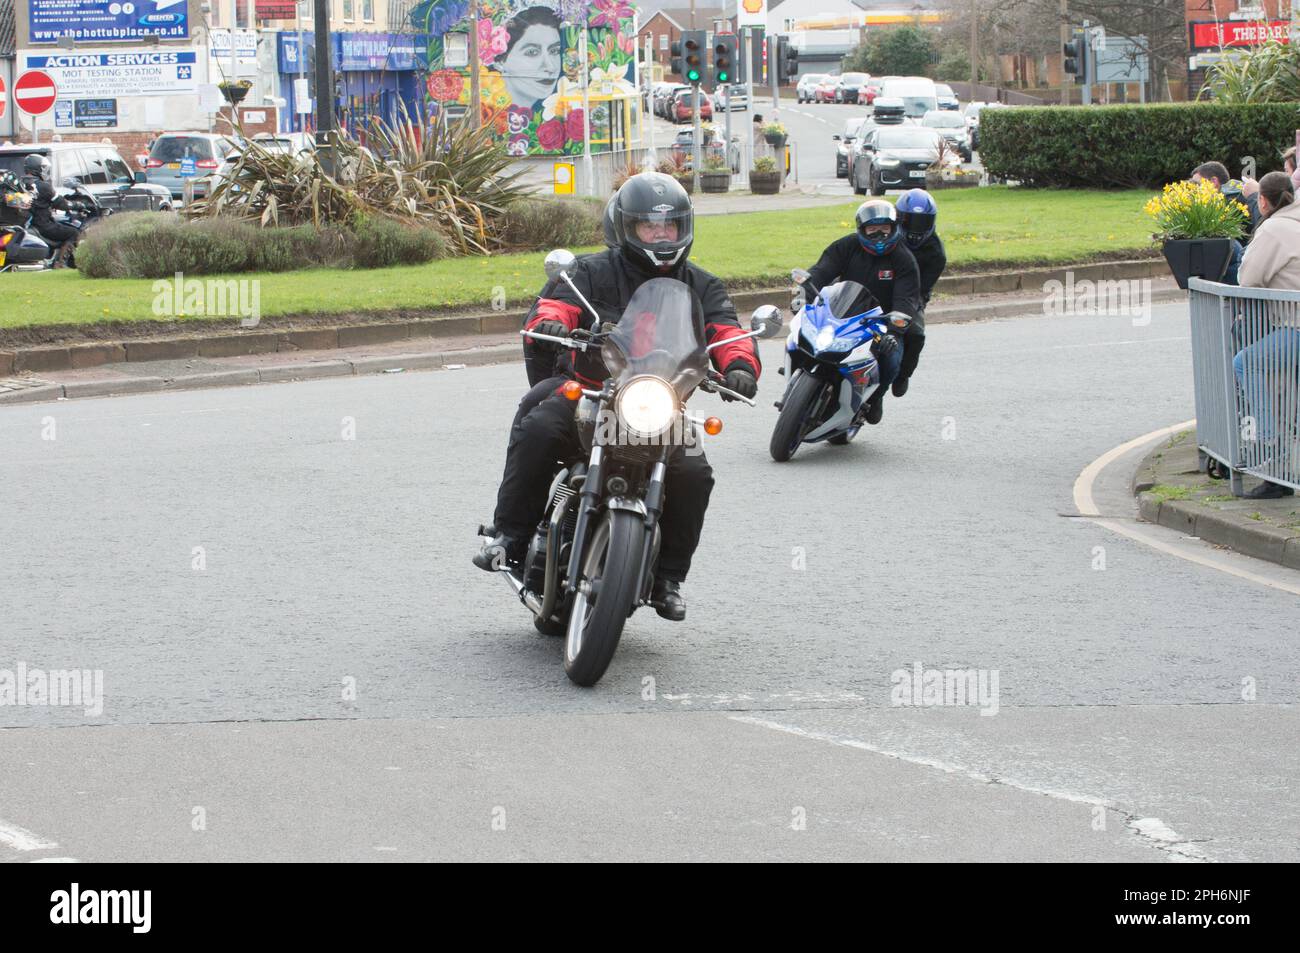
(18, 838)
(1196, 552)
(56, 860)
(1149, 829)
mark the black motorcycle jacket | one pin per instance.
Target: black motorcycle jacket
(893, 279)
(931, 259)
(44, 201)
(608, 281)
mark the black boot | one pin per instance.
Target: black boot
(667, 599)
(900, 386)
(875, 408)
(501, 552)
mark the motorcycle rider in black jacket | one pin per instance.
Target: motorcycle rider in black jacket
(654, 228)
(875, 257)
(63, 237)
(917, 213)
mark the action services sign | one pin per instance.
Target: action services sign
(107, 21)
(100, 75)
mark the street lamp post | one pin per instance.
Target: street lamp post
(325, 135)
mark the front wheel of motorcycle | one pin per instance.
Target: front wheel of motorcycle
(792, 424)
(606, 596)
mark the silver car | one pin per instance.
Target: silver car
(202, 157)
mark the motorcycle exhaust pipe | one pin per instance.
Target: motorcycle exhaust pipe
(517, 587)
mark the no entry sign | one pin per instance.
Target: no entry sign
(4, 97)
(34, 93)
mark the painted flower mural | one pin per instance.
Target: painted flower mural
(529, 84)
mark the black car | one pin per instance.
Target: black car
(844, 144)
(97, 167)
(894, 157)
(850, 87)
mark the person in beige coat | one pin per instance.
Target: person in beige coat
(1272, 260)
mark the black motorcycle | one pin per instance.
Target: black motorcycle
(22, 247)
(591, 562)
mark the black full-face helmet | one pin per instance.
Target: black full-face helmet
(654, 222)
(37, 165)
(607, 221)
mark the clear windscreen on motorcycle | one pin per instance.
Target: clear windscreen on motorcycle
(848, 299)
(661, 333)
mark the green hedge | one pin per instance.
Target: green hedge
(1131, 146)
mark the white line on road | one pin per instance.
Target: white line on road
(18, 838)
(1153, 831)
(1201, 554)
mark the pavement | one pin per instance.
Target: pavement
(1173, 491)
(300, 663)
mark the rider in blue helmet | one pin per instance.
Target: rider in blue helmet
(917, 214)
(875, 257)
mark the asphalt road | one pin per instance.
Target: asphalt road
(299, 660)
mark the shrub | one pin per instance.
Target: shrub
(553, 223)
(143, 245)
(1130, 146)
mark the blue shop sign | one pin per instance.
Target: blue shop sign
(359, 52)
(108, 21)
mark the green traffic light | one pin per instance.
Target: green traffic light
(693, 75)
(723, 77)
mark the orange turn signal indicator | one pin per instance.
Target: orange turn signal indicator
(713, 426)
(572, 390)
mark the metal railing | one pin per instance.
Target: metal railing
(1246, 370)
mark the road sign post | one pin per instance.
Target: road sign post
(34, 95)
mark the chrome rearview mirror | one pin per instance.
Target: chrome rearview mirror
(559, 262)
(767, 321)
(799, 276)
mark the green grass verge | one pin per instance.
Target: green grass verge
(982, 228)
(1166, 492)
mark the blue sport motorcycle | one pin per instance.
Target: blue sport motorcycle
(830, 369)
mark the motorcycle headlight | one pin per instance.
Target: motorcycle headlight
(825, 338)
(647, 406)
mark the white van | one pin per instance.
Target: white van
(918, 94)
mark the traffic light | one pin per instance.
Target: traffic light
(1076, 54)
(787, 60)
(675, 64)
(724, 60)
(693, 56)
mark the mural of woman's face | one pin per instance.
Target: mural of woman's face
(532, 65)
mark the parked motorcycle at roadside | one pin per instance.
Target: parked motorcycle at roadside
(830, 370)
(591, 562)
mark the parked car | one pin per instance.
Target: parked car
(849, 88)
(807, 84)
(683, 108)
(952, 127)
(666, 97)
(98, 167)
(870, 91)
(844, 145)
(293, 143)
(824, 92)
(894, 157)
(731, 98)
(917, 93)
(200, 156)
(947, 98)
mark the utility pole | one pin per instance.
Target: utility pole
(474, 65)
(325, 135)
(1065, 38)
(974, 46)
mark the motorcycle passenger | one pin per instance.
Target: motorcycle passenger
(654, 229)
(917, 213)
(875, 257)
(62, 236)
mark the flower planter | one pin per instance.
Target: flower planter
(1198, 258)
(688, 183)
(774, 139)
(235, 94)
(765, 183)
(960, 182)
(715, 181)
